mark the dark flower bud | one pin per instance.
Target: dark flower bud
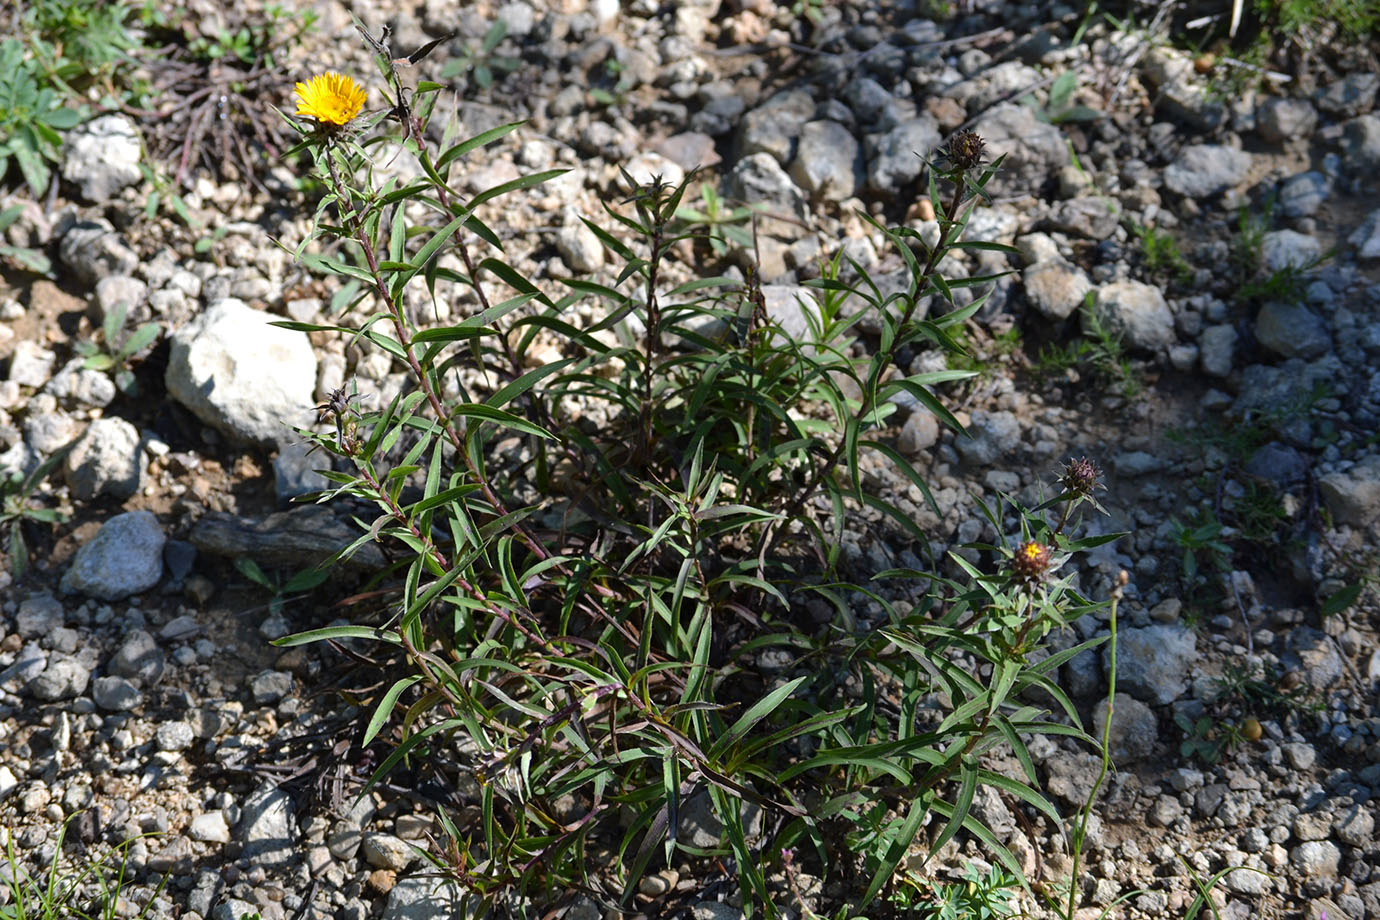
(965, 150)
(1080, 477)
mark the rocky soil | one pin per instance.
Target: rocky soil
(137, 689)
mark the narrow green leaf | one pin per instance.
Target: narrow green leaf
(474, 143)
(385, 708)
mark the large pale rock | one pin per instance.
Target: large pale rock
(248, 379)
(1137, 313)
(1055, 287)
(1353, 496)
(268, 826)
(102, 156)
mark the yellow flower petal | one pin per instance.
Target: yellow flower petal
(330, 98)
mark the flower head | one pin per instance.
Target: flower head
(1031, 561)
(330, 98)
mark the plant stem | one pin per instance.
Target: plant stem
(1106, 752)
(395, 313)
(772, 537)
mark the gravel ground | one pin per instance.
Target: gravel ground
(138, 691)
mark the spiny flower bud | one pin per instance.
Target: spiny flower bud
(1080, 477)
(965, 150)
(1031, 561)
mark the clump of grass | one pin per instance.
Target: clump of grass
(1099, 351)
(983, 354)
(91, 889)
(1161, 253)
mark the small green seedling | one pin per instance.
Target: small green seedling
(722, 224)
(17, 507)
(300, 583)
(116, 355)
(22, 257)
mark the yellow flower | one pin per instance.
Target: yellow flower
(330, 98)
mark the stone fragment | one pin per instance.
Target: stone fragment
(919, 433)
(894, 158)
(1216, 348)
(759, 179)
(774, 126)
(1205, 170)
(1284, 249)
(1154, 662)
(1056, 288)
(63, 679)
(125, 557)
(1035, 150)
(1361, 144)
(1350, 96)
(828, 164)
(384, 851)
(1134, 729)
(115, 694)
(31, 364)
(38, 615)
(701, 827)
(93, 250)
(108, 459)
(268, 827)
(1366, 237)
(1316, 859)
(990, 437)
(1281, 119)
(1301, 195)
(580, 249)
(1093, 217)
(1292, 330)
(425, 897)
